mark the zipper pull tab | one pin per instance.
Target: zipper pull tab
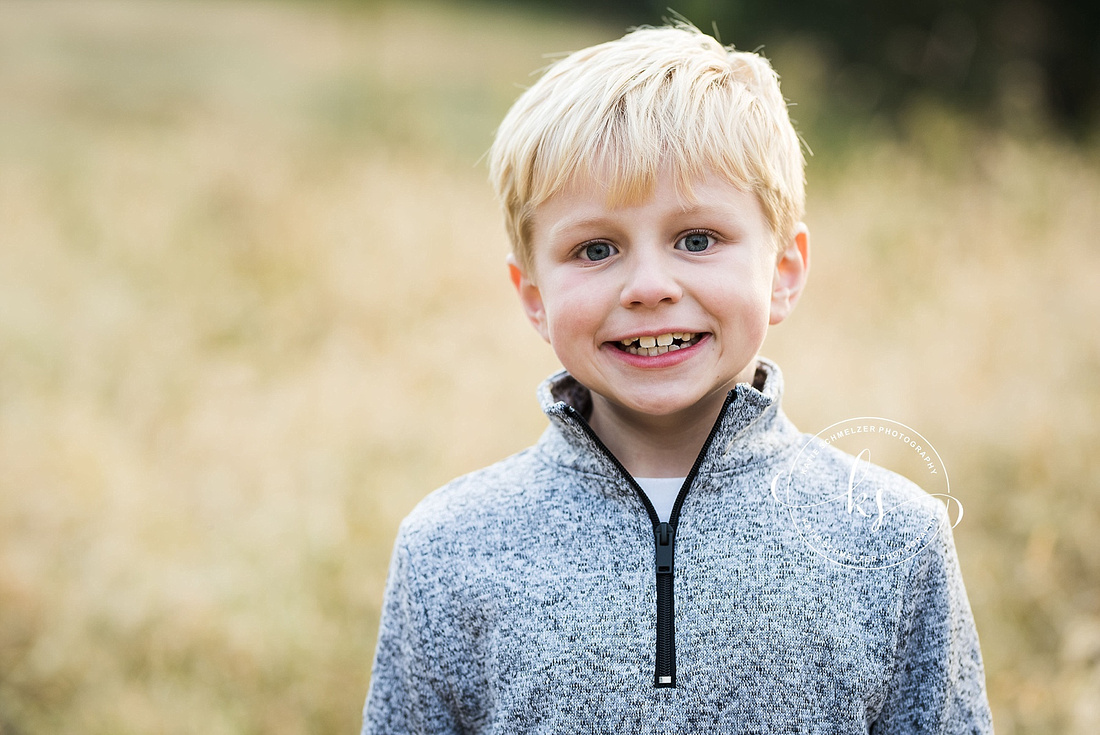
(664, 535)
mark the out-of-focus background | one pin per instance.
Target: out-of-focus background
(253, 307)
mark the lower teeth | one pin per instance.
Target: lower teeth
(659, 349)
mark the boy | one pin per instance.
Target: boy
(635, 571)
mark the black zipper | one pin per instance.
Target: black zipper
(664, 542)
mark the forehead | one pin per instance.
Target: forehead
(591, 201)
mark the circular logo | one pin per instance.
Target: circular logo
(852, 508)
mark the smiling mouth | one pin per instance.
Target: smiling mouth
(653, 345)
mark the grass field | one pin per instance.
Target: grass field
(253, 306)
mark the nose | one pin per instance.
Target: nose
(650, 281)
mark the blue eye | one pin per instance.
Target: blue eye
(696, 242)
(598, 250)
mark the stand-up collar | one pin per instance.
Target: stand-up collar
(751, 427)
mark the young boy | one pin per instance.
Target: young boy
(635, 570)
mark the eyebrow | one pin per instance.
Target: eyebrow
(695, 209)
(593, 221)
(568, 227)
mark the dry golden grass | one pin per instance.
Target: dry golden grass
(253, 307)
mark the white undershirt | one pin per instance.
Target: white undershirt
(662, 492)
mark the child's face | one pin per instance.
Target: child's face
(610, 288)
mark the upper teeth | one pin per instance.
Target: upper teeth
(658, 344)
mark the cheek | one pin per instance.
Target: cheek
(753, 317)
(748, 301)
(572, 312)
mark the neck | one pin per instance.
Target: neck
(654, 446)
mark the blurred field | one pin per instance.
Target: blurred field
(253, 307)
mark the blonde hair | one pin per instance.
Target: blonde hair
(656, 97)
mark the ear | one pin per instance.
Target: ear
(529, 297)
(791, 270)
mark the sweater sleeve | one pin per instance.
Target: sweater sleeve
(407, 694)
(938, 683)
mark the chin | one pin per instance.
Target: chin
(658, 408)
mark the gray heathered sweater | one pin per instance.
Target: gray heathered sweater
(523, 597)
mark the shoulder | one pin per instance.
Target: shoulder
(858, 513)
(511, 494)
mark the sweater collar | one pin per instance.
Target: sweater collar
(752, 425)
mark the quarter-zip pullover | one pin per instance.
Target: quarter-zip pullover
(542, 594)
